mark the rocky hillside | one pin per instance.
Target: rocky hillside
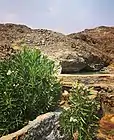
(101, 38)
(75, 52)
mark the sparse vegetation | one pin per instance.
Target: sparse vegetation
(81, 117)
(28, 88)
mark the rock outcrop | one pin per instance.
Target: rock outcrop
(73, 55)
(106, 130)
(44, 127)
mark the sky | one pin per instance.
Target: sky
(64, 16)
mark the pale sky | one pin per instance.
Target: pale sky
(64, 16)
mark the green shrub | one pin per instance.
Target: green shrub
(28, 88)
(81, 116)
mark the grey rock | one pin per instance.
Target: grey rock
(48, 129)
(44, 127)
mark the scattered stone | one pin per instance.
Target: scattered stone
(65, 95)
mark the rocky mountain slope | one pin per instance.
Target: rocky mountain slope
(101, 38)
(73, 53)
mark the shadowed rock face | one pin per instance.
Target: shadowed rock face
(74, 55)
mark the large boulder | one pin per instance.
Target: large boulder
(73, 55)
(44, 127)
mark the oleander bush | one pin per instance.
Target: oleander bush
(28, 88)
(81, 118)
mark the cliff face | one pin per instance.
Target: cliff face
(75, 52)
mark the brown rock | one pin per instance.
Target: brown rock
(101, 38)
(107, 101)
(106, 129)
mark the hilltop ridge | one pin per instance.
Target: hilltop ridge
(87, 50)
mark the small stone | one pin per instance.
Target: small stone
(62, 102)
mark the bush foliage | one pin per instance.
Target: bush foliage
(82, 116)
(28, 88)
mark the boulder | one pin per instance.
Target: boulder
(44, 127)
(106, 129)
